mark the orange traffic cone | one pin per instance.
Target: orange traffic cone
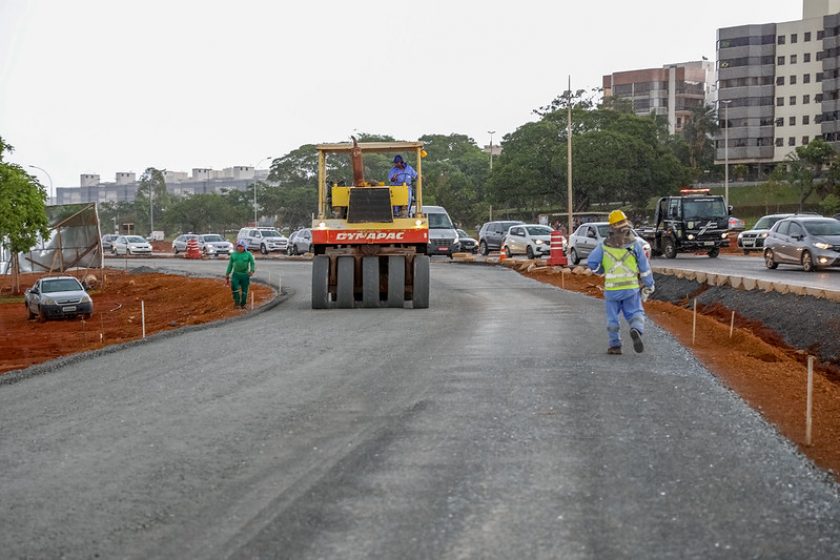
(502, 255)
(192, 252)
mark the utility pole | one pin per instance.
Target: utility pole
(491, 133)
(569, 158)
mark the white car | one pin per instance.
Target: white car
(533, 240)
(263, 239)
(130, 245)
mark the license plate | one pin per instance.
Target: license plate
(708, 243)
(67, 308)
(444, 249)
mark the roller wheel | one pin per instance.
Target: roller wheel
(396, 282)
(345, 282)
(421, 282)
(370, 281)
(320, 286)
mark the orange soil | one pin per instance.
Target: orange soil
(170, 302)
(754, 362)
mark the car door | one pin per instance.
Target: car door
(780, 244)
(796, 242)
(307, 241)
(512, 240)
(589, 241)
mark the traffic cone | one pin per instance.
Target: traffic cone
(502, 254)
(192, 252)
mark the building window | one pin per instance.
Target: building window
(793, 59)
(820, 34)
(806, 99)
(780, 101)
(806, 78)
(792, 100)
(791, 141)
(807, 36)
(806, 119)
(818, 98)
(780, 142)
(780, 80)
(793, 80)
(819, 77)
(792, 121)
(780, 61)
(804, 140)
(820, 55)
(793, 38)
(780, 40)
(780, 121)
(817, 119)
(806, 57)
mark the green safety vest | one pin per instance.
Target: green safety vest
(621, 270)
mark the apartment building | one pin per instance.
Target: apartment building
(777, 87)
(671, 91)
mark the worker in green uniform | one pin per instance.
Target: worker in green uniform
(241, 267)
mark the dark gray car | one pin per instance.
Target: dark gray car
(492, 234)
(808, 241)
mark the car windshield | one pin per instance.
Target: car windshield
(704, 209)
(539, 230)
(211, 238)
(462, 233)
(135, 239)
(271, 233)
(823, 227)
(439, 221)
(60, 285)
(603, 230)
(767, 222)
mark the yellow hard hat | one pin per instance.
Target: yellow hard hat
(617, 216)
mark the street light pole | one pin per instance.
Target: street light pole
(726, 151)
(48, 177)
(491, 133)
(255, 187)
(569, 202)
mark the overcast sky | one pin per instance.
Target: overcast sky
(100, 86)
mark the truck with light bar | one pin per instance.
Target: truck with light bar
(369, 239)
(695, 221)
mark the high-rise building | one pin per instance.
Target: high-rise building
(672, 91)
(778, 86)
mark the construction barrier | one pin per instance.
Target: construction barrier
(192, 252)
(557, 256)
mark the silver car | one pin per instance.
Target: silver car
(753, 238)
(533, 240)
(57, 296)
(179, 244)
(130, 245)
(300, 242)
(587, 236)
(811, 242)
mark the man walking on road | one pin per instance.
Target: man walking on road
(622, 261)
(241, 267)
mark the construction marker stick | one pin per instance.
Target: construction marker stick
(809, 403)
(143, 316)
(694, 324)
(732, 325)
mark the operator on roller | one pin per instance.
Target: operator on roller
(622, 261)
(241, 267)
(402, 174)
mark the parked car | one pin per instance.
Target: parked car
(57, 296)
(213, 245)
(736, 224)
(587, 236)
(753, 238)
(179, 244)
(263, 239)
(466, 244)
(443, 239)
(492, 234)
(811, 242)
(533, 240)
(300, 242)
(131, 245)
(107, 241)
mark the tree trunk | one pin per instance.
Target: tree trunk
(15, 273)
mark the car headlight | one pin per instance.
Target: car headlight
(764, 235)
(740, 236)
(47, 300)
(723, 235)
(538, 242)
(86, 298)
(821, 245)
(690, 236)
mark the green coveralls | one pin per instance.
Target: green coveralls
(240, 264)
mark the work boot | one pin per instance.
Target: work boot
(638, 345)
(614, 350)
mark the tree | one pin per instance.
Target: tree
(698, 133)
(151, 192)
(23, 216)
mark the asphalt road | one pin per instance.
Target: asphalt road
(492, 425)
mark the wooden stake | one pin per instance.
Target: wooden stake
(732, 325)
(252, 301)
(809, 403)
(143, 316)
(694, 324)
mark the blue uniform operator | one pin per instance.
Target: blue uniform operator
(402, 174)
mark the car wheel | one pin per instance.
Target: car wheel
(746, 252)
(128, 252)
(289, 250)
(87, 316)
(573, 257)
(669, 248)
(769, 261)
(507, 252)
(263, 249)
(714, 252)
(484, 250)
(530, 252)
(808, 262)
(175, 251)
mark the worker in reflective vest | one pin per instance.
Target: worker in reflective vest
(627, 277)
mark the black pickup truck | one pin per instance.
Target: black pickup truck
(694, 221)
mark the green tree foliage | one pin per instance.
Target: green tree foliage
(151, 191)
(206, 213)
(812, 168)
(698, 134)
(23, 217)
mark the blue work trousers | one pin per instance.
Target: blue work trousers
(628, 302)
